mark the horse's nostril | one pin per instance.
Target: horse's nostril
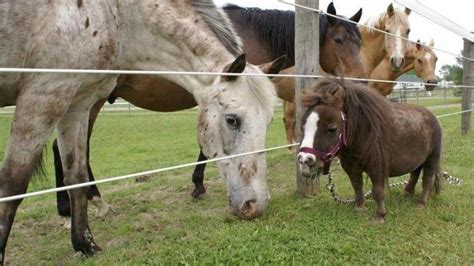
(249, 209)
(309, 160)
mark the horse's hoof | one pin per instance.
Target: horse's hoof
(87, 247)
(292, 150)
(421, 205)
(198, 192)
(378, 220)
(408, 194)
(102, 208)
(67, 223)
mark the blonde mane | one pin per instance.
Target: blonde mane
(378, 22)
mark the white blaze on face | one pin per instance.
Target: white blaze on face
(399, 44)
(310, 128)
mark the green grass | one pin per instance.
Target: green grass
(158, 222)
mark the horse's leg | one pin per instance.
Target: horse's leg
(378, 190)
(62, 198)
(72, 139)
(93, 194)
(289, 109)
(410, 187)
(428, 179)
(358, 185)
(198, 177)
(35, 118)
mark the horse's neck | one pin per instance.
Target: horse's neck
(373, 49)
(170, 36)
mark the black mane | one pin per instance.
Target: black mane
(274, 27)
(277, 28)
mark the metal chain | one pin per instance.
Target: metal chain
(331, 187)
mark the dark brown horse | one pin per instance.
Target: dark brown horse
(266, 35)
(372, 135)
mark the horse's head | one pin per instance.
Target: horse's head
(396, 22)
(340, 44)
(323, 127)
(425, 64)
(233, 116)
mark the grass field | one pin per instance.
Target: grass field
(158, 222)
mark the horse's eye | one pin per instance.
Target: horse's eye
(408, 31)
(436, 59)
(338, 40)
(233, 121)
(420, 61)
(332, 129)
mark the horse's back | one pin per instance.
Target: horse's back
(417, 135)
(48, 34)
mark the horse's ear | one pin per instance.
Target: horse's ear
(418, 45)
(275, 66)
(332, 11)
(407, 11)
(357, 16)
(432, 43)
(390, 10)
(238, 66)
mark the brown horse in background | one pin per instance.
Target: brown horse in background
(420, 58)
(369, 134)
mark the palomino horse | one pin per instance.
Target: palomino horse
(420, 58)
(159, 35)
(377, 45)
(369, 134)
(266, 34)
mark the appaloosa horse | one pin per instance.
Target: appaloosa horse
(266, 34)
(369, 134)
(420, 58)
(160, 35)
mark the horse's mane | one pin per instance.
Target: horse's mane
(220, 24)
(368, 116)
(276, 28)
(399, 17)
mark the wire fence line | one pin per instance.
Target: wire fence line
(374, 29)
(196, 73)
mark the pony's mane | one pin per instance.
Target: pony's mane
(368, 116)
(399, 17)
(220, 24)
(276, 28)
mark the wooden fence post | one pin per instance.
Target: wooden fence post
(468, 80)
(306, 62)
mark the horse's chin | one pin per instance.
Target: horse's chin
(310, 172)
(430, 87)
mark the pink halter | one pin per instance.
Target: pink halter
(328, 157)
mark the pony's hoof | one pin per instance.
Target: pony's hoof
(199, 190)
(378, 220)
(408, 194)
(292, 150)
